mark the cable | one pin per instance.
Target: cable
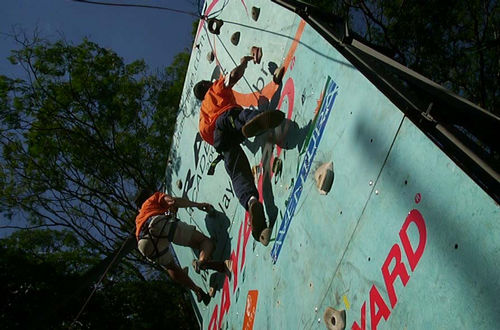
(213, 50)
(99, 281)
(232, 59)
(139, 6)
(201, 9)
(211, 15)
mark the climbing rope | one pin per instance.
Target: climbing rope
(138, 6)
(236, 64)
(98, 283)
(212, 47)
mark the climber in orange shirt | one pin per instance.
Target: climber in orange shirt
(224, 124)
(157, 226)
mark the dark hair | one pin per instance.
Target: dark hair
(142, 196)
(201, 88)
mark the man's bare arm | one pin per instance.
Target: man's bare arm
(179, 202)
(238, 72)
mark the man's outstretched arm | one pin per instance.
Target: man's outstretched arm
(179, 202)
(238, 72)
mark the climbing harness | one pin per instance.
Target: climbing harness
(147, 233)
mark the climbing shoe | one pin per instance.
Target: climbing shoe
(265, 236)
(202, 296)
(258, 222)
(224, 267)
(228, 267)
(196, 266)
(262, 122)
(278, 75)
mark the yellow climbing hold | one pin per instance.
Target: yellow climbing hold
(346, 302)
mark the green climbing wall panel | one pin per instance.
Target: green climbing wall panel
(403, 240)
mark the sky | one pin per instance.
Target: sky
(133, 33)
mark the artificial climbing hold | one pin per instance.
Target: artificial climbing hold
(278, 75)
(210, 56)
(235, 38)
(324, 178)
(214, 25)
(179, 184)
(256, 53)
(256, 171)
(277, 166)
(334, 319)
(255, 13)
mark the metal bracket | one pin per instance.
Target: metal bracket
(427, 114)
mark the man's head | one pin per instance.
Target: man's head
(201, 88)
(142, 196)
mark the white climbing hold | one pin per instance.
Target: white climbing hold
(334, 319)
(324, 178)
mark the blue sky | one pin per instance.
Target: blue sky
(134, 33)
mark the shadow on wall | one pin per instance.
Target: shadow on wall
(287, 136)
(444, 236)
(217, 224)
(175, 157)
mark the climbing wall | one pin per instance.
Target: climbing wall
(402, 239)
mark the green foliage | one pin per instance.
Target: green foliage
(81, 134)
(140, 305)
(454, 43)
(60, 248)
(30, 287)
(41, 271)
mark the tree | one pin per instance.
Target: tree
(81, 134)
(454, 43)
(40, 270)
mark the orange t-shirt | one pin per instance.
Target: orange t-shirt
(154, 205)
(218, 100)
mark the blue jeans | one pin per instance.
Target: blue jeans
(227, 139)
